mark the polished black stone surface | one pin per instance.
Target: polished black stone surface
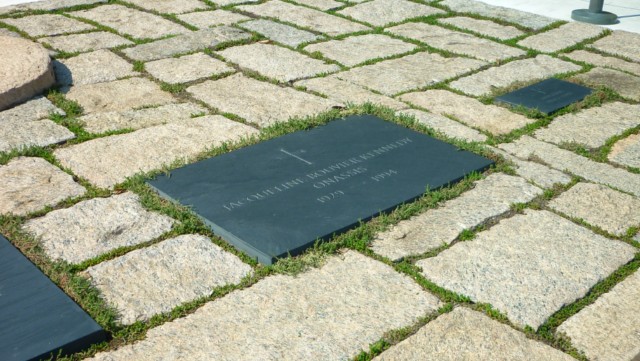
(546, 96)
(278, 197)
(38, 319)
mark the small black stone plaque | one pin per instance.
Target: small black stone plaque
(278, 197)
(37, 318)
(546, 96)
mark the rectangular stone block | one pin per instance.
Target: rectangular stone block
(48, 24)
(358, 49)
(563, 37)
(280, 33)
(85, 42)
(546, 96)
(604, 61)
(622, 43)
(624, 84)
(523, 18)
(484, 27)
(382, 12)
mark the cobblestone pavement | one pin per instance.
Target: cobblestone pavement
(535, 259)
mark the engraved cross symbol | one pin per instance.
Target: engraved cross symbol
(295, 156)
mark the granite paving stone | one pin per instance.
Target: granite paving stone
(187, 68)
(34, 109)
(156, 279)
(232, 2)
(269, 103)
(124, 20)
(110, 160)
(170, 6)
(600, 206)
(382, 12)
(304, 17)
(519, 71)
(321, 4)
(7, 32)
(446, 126)
(484, 27)
(522, 18)
(29, 184)
(624, 84)
(345, 92)
(562, 37)
(141, 118)
(563, 261)
(626, 152)
(96, 226)
(118, 95)
(491, 118)
(609, 328)
(604, 61)
(456, 42)
(463, 334)
(591, 127)
(48, 5)
(410, 72)
(621, 43)
(358, 49)
(48, 25)
(186, 43)
(561, 159)
(489, 198)
(206, 19)
(281, 33)
(330, 313)
(96, 67)
(536, 173)
(85, 42)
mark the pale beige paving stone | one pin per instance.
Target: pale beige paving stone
(604, 61)
(463, 334)
(48, 5)
(206, 19)
(96, 226)
(7, 32)
(170, 6)
(330, 313)
(490, 197)
(609, 328)
(136, 23)
(409, 72)
(281, 33)
(95, 67)
(561, 159)
(626, 151)
(141, 118)
(470, 111)
(48, 25)
(34, 109)
(304, 17)
(622, 43)
(321, 4)
(186, 43)
(118, 95)
(537, 173)
(562, 37)
(600, 206)
(85, 42)
(232, 2)
(484, 27)
(358, 49)
(382, 12)
(108, 161)
(528, 266)
(269, 103)
(30, 184)
(624, 84)
(591, 127)
(526, 70)
(186, 68)
(513, 16)
(444, 125)
(345, 92)
(156, 279)
(456, 42)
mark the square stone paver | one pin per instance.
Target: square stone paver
(96, 67)
(624, 84)
(85, 42)
(563, 37)
(528, 266)
(484, 27)
(30, 184)
(358, 49)
(269, 103)
(187, 68)
(281, 33)
(445, 126)
(156, 279)
(97, 226)
(456, 42)
(382, 12)
(626, 152)
(131, 22)
(321, 4)
(410, 72)
(604, 61)
(170, 6)
(622, 43)
(276, 62)
(522, 18)
(207, 19)
(48, 25)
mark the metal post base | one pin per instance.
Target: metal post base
(600, 18)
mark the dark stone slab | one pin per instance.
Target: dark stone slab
(37, 318)
(278, 197)
(546, 96)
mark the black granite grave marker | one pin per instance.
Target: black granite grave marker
(38, 319)
(546, 96)
(278, 197)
